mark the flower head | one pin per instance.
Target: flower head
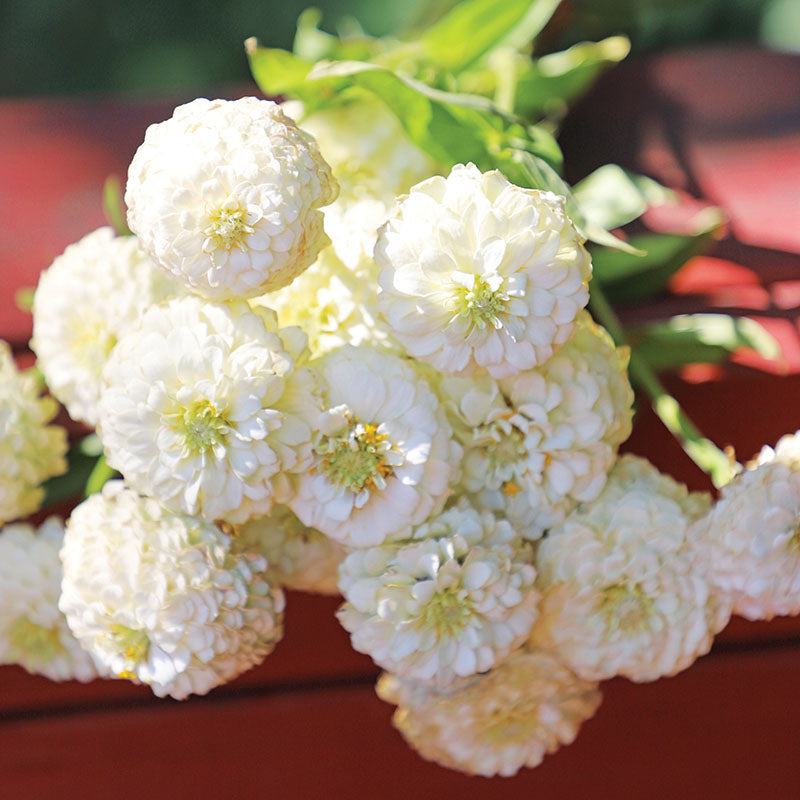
(384, 457)
(333, 304)
(479, 273)
(538, 443)
(299, 557)
(33, 632)
(753, 535)
(508, 718)
(624, 591)
(90, 294)
(206, 408)
(454, 600)
(31, 451)
(225, 197)
(162, 598)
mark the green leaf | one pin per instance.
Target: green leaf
(611, 196)
(699, 338)
(101, 473)
(23, 298)
(276, 71)
(114, 206)
(558, 79)
(527, 170)
(625, 277)
(474, 27)
(312, 44)
(70, 485)
(452, 128)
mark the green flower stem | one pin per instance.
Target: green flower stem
(713, 461)
(100, 474)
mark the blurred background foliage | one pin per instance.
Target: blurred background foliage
(68, 46)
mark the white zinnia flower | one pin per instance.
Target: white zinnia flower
(205, 408)
(373, 161)
(456, 600)
(31, 451)
(509, 718)
(33, 632)
(477, 272)
(298, 557)
(385, 456)
(162, 598)
(624, 591)
(753, 535)
(84, 301)
(333, 304)
(225, 197)
(538, 443)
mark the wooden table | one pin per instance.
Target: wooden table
(723, 125)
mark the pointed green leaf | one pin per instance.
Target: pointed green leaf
(558, 79)
(276, 71)
(627, 277)
(609, 197)
(474, 27)
(699, 338)
(114, 206)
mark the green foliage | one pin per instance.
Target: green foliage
(626, 278)
(699, 338)
(612, 197)
(114, 206)
(475, 27)
(417, 78)
(554, 81)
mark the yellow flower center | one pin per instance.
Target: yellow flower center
(202, 426)
(448, 612)
(481, 304)
(625, 608)
(356, 459)
(133, 643)
(227, 228)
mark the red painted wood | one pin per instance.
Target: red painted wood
(727, 728)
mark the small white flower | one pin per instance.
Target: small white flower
(538, 443)
(509, 718)
(624, 591)
(33, 632)
(31, 451)
(455, 601)
(373, 161)
(204, 407)
(225, 197)
(477, 272)
(83, 303)
(333, 304)
(385, 456)
(161, 598)
(753, 535)
(298, 557)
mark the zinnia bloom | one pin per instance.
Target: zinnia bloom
(163, 598)
(479, 273)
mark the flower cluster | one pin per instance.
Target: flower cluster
(397, 395)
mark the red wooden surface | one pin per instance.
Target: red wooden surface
(724, 126)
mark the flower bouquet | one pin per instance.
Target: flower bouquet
(364, 342)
